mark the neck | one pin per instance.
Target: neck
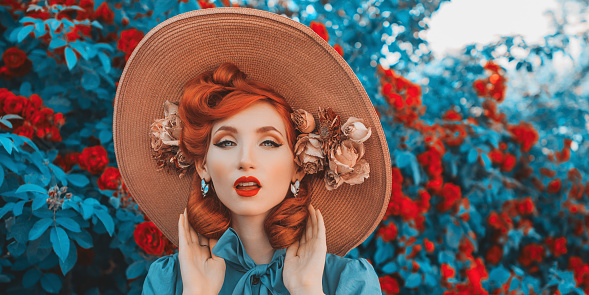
(251, 233)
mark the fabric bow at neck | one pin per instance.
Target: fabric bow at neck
(230, 248)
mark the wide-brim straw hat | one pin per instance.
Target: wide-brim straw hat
(269, 48)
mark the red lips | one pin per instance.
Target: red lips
(248, 190)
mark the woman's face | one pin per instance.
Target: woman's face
(249, 160)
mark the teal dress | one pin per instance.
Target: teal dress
(244, 277)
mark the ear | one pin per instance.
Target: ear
(299, 173)
(202, 170)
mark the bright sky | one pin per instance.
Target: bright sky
(461, 22)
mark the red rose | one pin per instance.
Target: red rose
(389, 285)
(25, 130)
(531, 253)
(66, 162)
(320, 29)
(129, 40)
(42, 117)
(14, 104)
(388, 232)
(554, 186)
(105, 13)
(16, 61)
(509, 162)
(451, 194)
(14, 58)
(494, 255)
(447, 271)
(88, 6)
(94, 159)
(109, 180)
(34, 103)
(149, 238)
(339, 49)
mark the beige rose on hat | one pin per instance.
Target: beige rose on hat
(166, 132)
(303, 120)
(332, 180)
(355, 130)
(343, 156)
(360, 172)
(308, 153)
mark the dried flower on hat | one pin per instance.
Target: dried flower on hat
(339, 150)
(355, 130)
(303, 120)
(165, 135)
(308, 153)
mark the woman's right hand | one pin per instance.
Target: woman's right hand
(202, 272)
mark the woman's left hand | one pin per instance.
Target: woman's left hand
(305, 259)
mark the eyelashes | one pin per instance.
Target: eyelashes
(228, 143)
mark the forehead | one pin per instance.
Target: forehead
(259, 114)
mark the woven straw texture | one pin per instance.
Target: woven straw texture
(269, 48)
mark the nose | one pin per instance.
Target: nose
(246, 158)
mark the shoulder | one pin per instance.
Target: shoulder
(350, 276)
(163, 276)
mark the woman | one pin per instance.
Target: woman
(237, 134)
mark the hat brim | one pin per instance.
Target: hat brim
(269, 48)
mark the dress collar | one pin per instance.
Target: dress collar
(230, 248)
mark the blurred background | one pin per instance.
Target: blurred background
(484, 105)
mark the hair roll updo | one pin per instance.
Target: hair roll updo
(216, 95)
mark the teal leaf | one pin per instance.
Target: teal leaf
(106, 220)
(6, 123)
(38, 202)
(8, 144)
(56, 43)
(51, 283)
(105, 60)
(1, 175)
(70, 58)
(39, 228)
(413, 280)
(60, 242)
(7, 208)
(71, 259)
(24, 32)
(33, 188)
(137, 269)
(31, 277)
(68, 224)
(79, 180)
(83, 238)
(17, 210)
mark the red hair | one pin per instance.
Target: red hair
(216, 95)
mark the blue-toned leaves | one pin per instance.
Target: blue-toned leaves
(70, 58)
(51, 283)
(383, 252)
(68, 224)
(39, 228)
(137, 268)
(389, 268)
(33, 188)
(499, 275)
(31, 277)
(55, 43)
(105, 60)
(83, 238)
(38, 202)
(60, 242)
(24, 32)
(71, 259)
(18, 207)
(17, 248)
(472, 156)
(7, 144)
(413, 280)
(106, 220)
(6, 208)
(79, 180)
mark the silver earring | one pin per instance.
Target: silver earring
(204, 188)
(294, 188)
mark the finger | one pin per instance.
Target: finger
(311, 223)
(193, 233)
(187, 229)
(321, 223)
(304, 236)
(181, 236)
(292, 250)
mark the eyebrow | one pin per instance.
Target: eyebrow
(259, 130)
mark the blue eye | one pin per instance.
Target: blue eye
(270, 143)
(225, 143)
